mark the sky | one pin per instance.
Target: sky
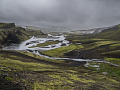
(72, 14)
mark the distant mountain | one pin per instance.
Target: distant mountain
(44, 30)
(48, 30)
(91, 31)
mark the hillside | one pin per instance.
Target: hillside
(26, 71)
(9, 33)
(110, 33)
(91, 31)
(106, 41)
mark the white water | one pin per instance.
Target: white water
(26, 45)
(36, 41)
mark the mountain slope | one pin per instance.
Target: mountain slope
(9, 33)
(100, 45)
(111, 33)
(91, 31)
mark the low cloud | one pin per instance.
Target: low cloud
(74, 14)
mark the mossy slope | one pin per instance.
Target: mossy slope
(36, 73)
(9, 33)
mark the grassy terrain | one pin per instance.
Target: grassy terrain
(95, 47)
(59, 52)
(88, 48)
(108, 50)
(113, 60)
(111, 33)
(30, 72)
(111, 70)
(45, 44)
(104, 45)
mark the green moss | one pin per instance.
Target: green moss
(105, 42)
(61, 77)
(113, 60)
(43, 58)
(112, 54)
(83, 80)
(51, 85)
(60, 51)
(115, 46)
(8, 78)
(7, 25)
(25, 65)
(110, 69)
(88, 41)
(52, 77)
(98, 44)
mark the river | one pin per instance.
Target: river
(33, 41)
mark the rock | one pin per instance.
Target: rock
(53, 46)
(105, 73)
(63, 44)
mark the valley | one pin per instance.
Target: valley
(66, 61)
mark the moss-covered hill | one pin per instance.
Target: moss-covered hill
(9, 33)
(112, 33)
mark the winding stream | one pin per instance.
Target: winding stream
(28, 46)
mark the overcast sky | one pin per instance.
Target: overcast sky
(75, 14)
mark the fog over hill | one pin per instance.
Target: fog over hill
(92, 31)
(73, 14)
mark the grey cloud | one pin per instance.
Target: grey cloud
(75, 14)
